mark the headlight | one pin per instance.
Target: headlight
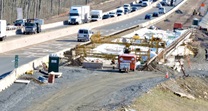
(121, 59)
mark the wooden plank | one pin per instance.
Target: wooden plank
(22, 81)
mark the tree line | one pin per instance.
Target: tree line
(36, 8)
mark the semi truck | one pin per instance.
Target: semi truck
(79, 14)
(2, 29)
(96, 15)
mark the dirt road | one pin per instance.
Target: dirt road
(95, 92)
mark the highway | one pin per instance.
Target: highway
(35, 51)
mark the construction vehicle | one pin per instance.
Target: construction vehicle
(3, 26)
(177, 25)
(79, 15)
(127, 62)
(32, 26)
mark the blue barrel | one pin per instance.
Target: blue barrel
(41, 78)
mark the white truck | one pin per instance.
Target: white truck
(79, 14)
(96, 15)
(120, 11)
(3, 26)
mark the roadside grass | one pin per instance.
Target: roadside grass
(161, 99)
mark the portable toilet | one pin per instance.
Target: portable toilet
(195, 22)
(53, 63)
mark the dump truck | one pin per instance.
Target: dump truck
(33, 26)
(3, 26)
(79, 14)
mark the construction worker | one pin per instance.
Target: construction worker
(194, 12)
(206, 54)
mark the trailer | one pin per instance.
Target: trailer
(79, 14)
(3, 26)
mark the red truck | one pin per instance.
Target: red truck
(127, 62)
(178, 25)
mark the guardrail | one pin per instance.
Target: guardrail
(170, 48)
(8, 80)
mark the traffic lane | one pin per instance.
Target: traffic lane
(43, 31)
(7, 63)
(64, 26)
(107, 29)
(49, 29)
(70, 41)
(30, 53)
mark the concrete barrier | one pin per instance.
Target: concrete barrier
(9, 80)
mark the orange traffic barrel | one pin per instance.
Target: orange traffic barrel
(51, 78)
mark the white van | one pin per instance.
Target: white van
(84, 35)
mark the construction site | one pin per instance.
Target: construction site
(159, 68)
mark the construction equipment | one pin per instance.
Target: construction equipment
(177, 26)
(131, 52)
(127, 62)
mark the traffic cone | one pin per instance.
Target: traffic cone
(166, 75)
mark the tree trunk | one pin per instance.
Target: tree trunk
(51, 6)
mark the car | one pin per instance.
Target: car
(84, 35)
(136, 5)
(20, 22)
(165, 2)
(162, 10)
(140, 3)
(134, 9)
(145, 4)
(155, 14)
(159, 5)
(106, 16)
(112, 14)
(148, 17)
(153, 27)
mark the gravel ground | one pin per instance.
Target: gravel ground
(117, 89)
